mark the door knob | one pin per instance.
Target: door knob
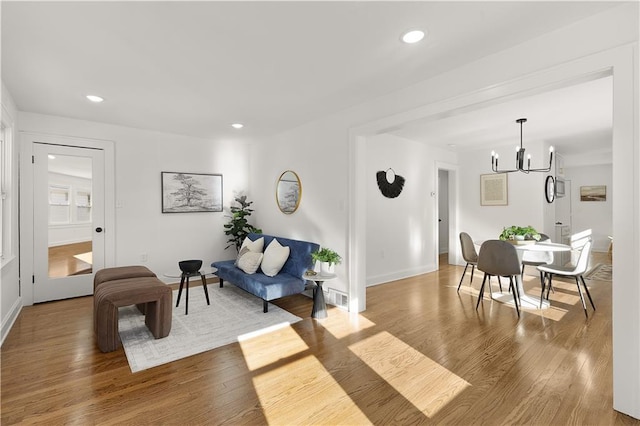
(98, 229)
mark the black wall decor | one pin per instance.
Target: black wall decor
(390, 189)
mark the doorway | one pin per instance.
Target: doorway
(443, 217)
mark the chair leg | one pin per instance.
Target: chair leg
(584, 305)
(516, 295)
(550, 286)
(588, 294)
(500, 284)
(473, 269)
(542, 285)
(462, 277)
(481, 294)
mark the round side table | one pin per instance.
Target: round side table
(319, 310)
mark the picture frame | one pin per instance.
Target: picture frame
(191, 192)
(494, 190)
(593, 193)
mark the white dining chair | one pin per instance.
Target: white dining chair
(575, 271)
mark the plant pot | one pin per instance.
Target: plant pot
(519, 237)
(327, 268)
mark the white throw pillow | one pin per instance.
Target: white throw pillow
(256, 246)
(249, 261)
(252, 246)
(274, 258)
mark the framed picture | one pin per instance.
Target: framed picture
(493, 190)
(191, 192)
(593, 193)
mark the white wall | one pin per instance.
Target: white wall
(10, 297)
(597, 215)
(140, 157)
(525, 197)
(401, 240)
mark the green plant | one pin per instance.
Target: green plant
(238, 226)
(528, 232)
(326, 255)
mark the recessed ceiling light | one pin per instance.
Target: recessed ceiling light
(94, 98)
(237, 125)
(413, 36)
(51, 157)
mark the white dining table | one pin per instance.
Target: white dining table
(527, 301)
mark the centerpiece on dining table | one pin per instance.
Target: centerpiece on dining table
(520, 235)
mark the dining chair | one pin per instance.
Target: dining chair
(499, 258)
(469, 254)
(577, 271)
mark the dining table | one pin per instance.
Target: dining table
(528, 301)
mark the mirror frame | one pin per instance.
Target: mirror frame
(278, 189)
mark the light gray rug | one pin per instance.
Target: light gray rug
(232, 316)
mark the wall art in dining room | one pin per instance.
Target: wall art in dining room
(191, 192)
(493, 190)
(593, 193)
(389, 183)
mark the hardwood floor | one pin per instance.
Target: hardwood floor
(419, 354)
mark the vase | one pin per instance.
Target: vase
(327, 268)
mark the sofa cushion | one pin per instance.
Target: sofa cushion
(249, 261)
(274, 258)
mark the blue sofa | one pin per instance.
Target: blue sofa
(290, 280)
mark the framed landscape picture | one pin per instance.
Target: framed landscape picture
(593, 193)
(493, 190)
(191, 192)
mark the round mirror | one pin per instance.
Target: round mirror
(288, 192)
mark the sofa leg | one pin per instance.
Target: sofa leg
(220, 282)
(265, 306)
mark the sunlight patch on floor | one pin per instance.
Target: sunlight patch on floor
(257, 353)
(305, 383)
(342, 324)
(423, 382)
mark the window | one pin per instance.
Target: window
(59, 204)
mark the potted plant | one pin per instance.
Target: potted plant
(520, 233)
(327, 258)
(239, 227)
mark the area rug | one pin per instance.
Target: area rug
(233, 315)
(600, 272)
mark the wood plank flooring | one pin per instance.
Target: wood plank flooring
(419, 354)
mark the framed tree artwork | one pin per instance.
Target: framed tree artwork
(191, 192)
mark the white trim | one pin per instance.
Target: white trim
(10, 319)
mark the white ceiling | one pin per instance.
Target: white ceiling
(194, 68)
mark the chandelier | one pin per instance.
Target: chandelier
(520, 157)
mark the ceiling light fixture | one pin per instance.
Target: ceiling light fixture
(94, 98)
(237, 125)
(413, 36)
(51, 157)
(520, 157)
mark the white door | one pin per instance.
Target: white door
(69, 212)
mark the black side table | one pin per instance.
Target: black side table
(190, 268)
(319, 310)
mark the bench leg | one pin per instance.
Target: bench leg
(265, 306)
(158, 317)
(221, 281)
(107, 327)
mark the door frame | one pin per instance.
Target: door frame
(454, 243)
(27, 139)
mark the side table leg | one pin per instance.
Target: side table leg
(186, 305)
(319, 310)
(180, 290)
(204, 285)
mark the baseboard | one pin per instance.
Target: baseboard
(398, 275)
(10, 319)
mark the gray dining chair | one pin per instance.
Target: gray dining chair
(500, 259)
(469, 254)
(577, 271)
